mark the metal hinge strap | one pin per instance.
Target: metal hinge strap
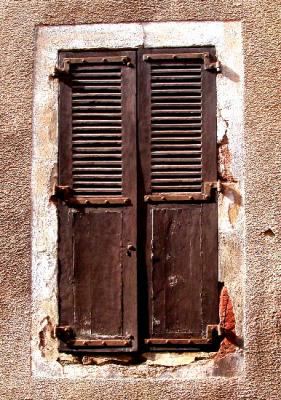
(65, 68)
(204, 195)
(210, 63)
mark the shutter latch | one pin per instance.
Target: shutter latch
(63, 192)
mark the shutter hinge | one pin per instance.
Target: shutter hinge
(65, 333)
(63, 192)
(60, 72)
(209, 186)
(217, 331)
(212, 331)
(212, 65)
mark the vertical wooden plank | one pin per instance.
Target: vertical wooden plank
(209, 125)
(209, 264)
(65, 265)
(129, 228)
(144, 121)
(65, 129)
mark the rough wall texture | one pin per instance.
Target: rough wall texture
(261, 35)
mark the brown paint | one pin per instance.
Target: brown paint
(181, 238)
(175, 155)
(98, 286)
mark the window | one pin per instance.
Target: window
(137, 213)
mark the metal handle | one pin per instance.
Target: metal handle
(130, 248)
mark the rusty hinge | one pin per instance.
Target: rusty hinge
(100, 342)
(216, 331)
(209, 186)
(210, 63)
(64, 70)
(170, 341)
(65, 333)
(211, 331)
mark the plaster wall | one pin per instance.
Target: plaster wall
(260, 21)
(226, 37)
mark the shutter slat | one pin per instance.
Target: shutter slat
(97, 142)
(100, 101)
(79, 114)
(96, 130)
(176, 123)
(175, 167)
(169, 111)
(96, 95)
(186, 160)
(96, 162)
(178, 97)
(175, 180)
(97, 184)
(96, 169)
(172, 117)
(174, 146)
(95, 74)
(97, 176)
(172, 78)
(172, 139)
(95, 155)
(115, 109)
(95, 81)
(175, 173)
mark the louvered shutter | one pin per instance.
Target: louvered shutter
(97, 206)
(177, 131)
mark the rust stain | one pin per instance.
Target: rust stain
(224, 161)
(233, 212)
(49, 119)
(231, 191)
(46, 335)
(53, 182)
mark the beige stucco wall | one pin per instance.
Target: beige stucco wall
(261, 280)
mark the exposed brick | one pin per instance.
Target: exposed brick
(227, 324)
(227, 318)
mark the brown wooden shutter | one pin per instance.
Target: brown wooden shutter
(177, 141)
(97, 206)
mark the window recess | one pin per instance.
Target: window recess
(136, 199)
